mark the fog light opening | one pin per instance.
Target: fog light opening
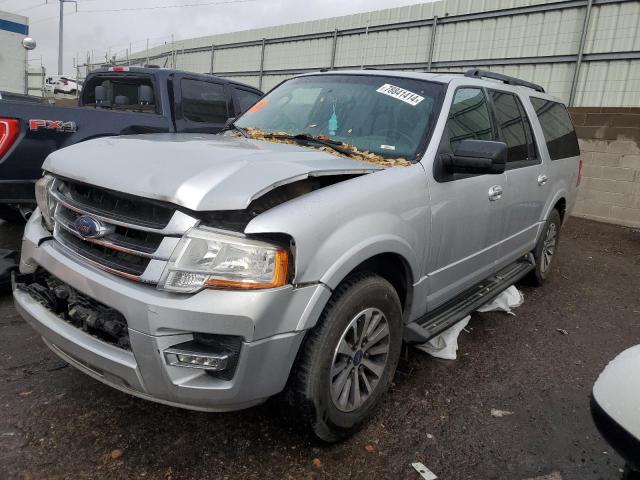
(203, 361)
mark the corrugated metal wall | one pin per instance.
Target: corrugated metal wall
(536, 40)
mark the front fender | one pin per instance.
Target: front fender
(365, 248)
(340, 226)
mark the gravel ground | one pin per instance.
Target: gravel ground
(58, 423)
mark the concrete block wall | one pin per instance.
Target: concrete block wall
(610, 144)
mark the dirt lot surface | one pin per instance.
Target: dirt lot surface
(58, 423)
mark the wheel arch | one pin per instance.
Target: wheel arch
(561, 206)
(395, 269)
(390, 265)
(390, 257)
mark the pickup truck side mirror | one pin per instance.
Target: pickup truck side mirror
(476, 156)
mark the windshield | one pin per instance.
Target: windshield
(387, 116)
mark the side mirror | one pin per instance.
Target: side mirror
(476, 156)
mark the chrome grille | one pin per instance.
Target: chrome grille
(141, 236)
(117, 206)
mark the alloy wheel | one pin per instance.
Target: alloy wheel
(549, 247)
(359, 359)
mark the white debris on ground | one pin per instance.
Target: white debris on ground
(445, 345)
(551, 476)
(500, 413)
(424, 472)
(510, 298)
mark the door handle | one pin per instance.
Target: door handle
(495, 193)
(542, 179)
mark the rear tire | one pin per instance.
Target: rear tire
(348, 359)
(545, 250)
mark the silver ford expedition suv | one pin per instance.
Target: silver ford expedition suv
(343, 214)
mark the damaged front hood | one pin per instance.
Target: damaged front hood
(197, 171)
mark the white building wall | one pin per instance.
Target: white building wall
(13, 28)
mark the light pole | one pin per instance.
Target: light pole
(28, 43)
(60, 31)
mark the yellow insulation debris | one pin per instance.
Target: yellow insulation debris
(356, 154)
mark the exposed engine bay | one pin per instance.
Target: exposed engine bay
(237, 220)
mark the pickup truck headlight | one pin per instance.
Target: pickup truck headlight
(44, 199)
(206, 259)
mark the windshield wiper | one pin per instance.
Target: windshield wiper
(233, 126)
(308, 138)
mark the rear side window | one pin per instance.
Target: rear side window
(561, 138)
(246, 99)
(469, 117)
(514, 126)
(204, 102)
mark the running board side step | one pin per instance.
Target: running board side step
(437, 321)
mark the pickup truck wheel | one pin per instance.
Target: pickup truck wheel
(11, 214)
(348, 360)
(546, 249)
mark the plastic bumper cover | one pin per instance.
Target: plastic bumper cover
(271, 322)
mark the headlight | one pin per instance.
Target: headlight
(205, 258)
(44, 199)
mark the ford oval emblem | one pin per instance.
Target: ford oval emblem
(89, 227)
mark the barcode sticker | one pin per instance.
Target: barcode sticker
(401, 94)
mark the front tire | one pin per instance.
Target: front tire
(348, 360)
(546, 249)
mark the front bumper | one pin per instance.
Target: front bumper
(271, 323)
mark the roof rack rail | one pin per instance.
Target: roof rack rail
(478, 73)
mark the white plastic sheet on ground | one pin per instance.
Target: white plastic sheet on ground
(510, 298)
(445, 345)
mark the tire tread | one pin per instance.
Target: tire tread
(297, 393)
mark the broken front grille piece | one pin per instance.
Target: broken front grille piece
(81, 311)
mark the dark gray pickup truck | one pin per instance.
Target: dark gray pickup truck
(114, 101)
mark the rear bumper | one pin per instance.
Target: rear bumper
(268, 322)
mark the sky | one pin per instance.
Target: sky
(100, 25)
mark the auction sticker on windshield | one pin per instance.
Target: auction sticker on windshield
(260, 105)
(406, 96)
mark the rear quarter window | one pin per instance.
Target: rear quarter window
(559, 134)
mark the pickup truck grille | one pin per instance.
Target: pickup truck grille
(139, 237)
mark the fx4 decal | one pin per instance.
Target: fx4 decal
(56, 125)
